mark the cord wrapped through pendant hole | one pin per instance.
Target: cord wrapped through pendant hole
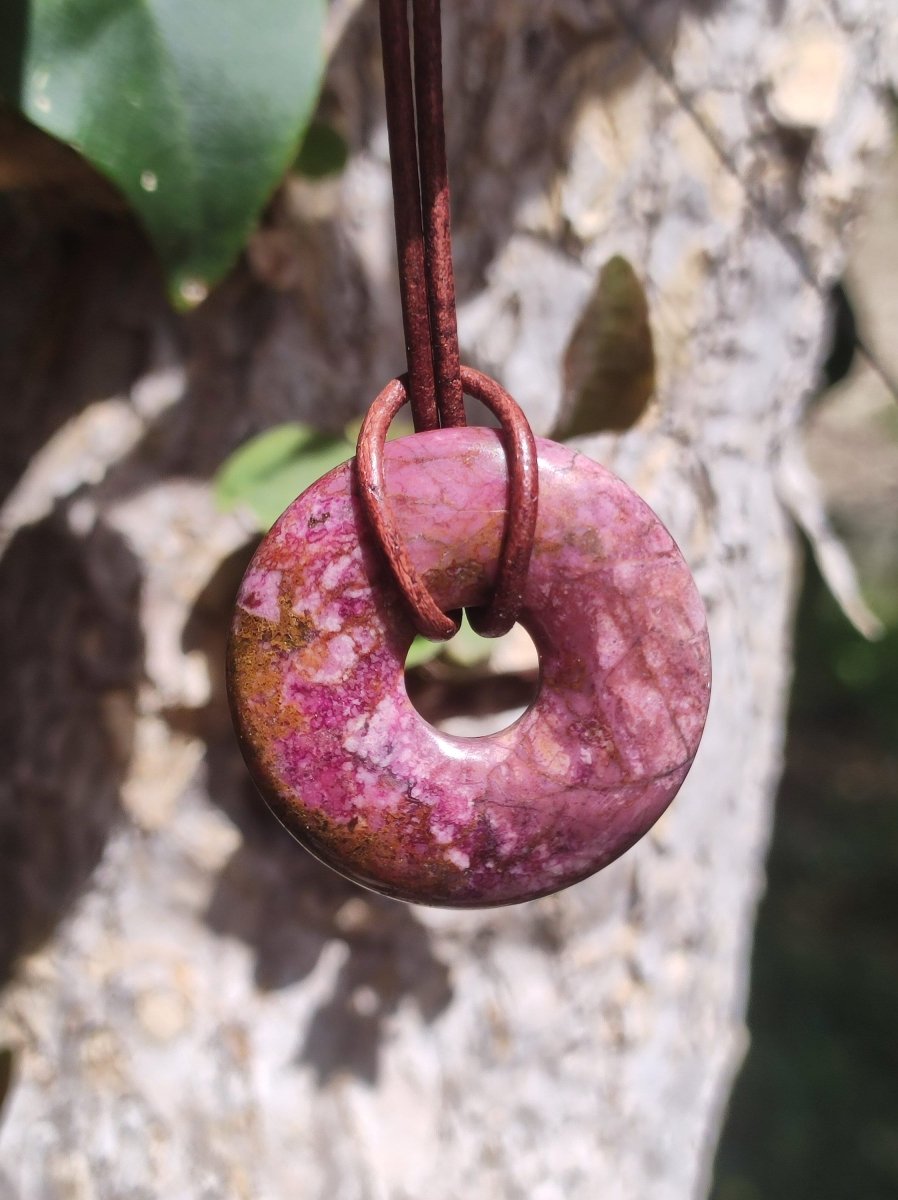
(500, 613)
(473, 686)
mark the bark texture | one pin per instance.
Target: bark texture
(197, 1008)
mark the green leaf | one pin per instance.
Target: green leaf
(193, 108)
(467, 648)
(422, 651)
(267, 473)
(610, 362)
(323, 152)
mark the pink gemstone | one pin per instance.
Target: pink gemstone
(316, 671)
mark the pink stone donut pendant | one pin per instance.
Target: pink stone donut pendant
(316, 678)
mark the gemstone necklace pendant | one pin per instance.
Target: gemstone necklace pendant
(400, 539)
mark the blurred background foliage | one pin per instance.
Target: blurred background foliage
(814, 1113)
(815, 1109)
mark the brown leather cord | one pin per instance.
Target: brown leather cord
(421, 201)
(436, 382)
(500, 614)
(435, 199)
(497, 617)
(430, 620)
(394, 33)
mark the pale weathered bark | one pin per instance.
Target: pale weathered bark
(199, 1009)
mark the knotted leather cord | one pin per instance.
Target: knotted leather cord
(436, 382)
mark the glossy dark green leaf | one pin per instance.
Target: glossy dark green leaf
(609, 368)
(193, 108)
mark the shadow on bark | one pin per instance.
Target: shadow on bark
(289, 908)
(79, 304)
(531, 74)
(73, 647)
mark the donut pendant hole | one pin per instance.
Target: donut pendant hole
(471, 680)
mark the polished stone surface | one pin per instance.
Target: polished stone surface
(316, 676)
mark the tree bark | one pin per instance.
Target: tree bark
(197, 1008)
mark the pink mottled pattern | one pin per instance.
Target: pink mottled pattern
(316, 671)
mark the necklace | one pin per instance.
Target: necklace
(398, 541)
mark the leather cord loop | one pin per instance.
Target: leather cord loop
(436, 382)
(430, 620)
(500, 614)
(497, 617)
